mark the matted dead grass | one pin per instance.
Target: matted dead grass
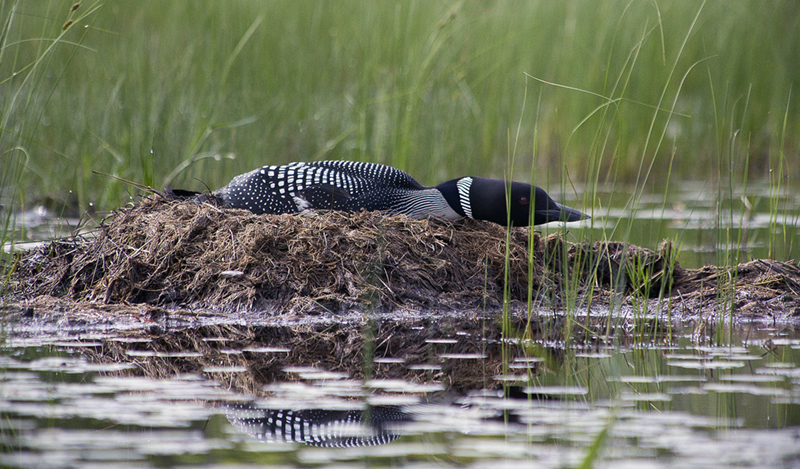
(187, 255)
(183, 254)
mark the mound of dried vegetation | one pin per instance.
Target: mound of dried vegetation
(189, 255)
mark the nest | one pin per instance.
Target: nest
(184, 254)
(193, 255)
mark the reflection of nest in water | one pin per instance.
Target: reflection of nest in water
(469, 360)
(184, 254)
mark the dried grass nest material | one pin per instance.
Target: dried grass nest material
(180, 253)
(183, 254)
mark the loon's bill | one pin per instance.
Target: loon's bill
(354, 186)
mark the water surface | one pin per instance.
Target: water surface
(136, 401)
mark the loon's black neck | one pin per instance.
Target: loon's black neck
(505, 202)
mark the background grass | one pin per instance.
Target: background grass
(162, 92)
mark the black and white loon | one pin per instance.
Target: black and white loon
(353, 186)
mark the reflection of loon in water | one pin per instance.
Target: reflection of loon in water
(317, 427)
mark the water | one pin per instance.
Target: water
(198, 398)
(35, 226)
(708, 224)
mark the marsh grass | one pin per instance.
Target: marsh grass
(609, 119)
(730, 154)
(628, 94)
(647, 327)
(429, 87)
(26, 84)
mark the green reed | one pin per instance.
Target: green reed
(606, 119)
(430, 87)
(29, 75)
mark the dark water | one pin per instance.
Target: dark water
(106, 401)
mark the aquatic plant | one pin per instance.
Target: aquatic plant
(27, 67)
(431, 88)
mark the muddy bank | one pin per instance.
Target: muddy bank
(166, 256)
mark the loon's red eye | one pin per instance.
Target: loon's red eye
(524, 201)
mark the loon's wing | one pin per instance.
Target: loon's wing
(416, 203)
(372, 174)
(323, 196)
(323, 184)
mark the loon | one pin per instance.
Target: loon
(353, 186)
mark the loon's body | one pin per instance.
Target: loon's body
(354, 186)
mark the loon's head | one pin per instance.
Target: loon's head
(486, 199)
